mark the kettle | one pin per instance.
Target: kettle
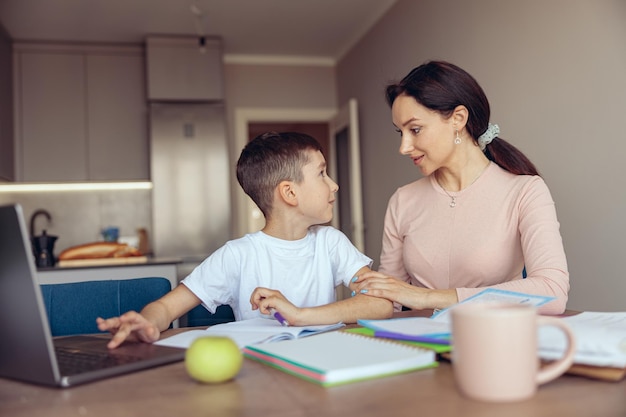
(43, 245)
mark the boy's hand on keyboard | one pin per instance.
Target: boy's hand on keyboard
(129, 326)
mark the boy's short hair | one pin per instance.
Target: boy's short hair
(269, 159)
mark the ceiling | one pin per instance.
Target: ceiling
(293, 28)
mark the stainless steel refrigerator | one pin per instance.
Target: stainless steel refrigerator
(191, 181)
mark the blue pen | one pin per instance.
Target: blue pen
(279, 317)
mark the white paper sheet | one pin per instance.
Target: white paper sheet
(600, 339)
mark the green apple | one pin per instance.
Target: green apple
(213, 359)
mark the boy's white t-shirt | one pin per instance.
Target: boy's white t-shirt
(305, 271)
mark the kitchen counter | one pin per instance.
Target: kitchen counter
(141, 262)
(151, 267)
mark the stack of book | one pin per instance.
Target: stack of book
(600, 336)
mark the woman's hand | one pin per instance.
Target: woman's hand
(376, 284)
(129, 326)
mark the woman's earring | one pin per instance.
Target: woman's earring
(457, 140)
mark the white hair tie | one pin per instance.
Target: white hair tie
(485, 139)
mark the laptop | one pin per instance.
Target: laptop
(28, 352)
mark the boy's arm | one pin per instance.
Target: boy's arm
(153, 319)
(351, 309)
(348, 311)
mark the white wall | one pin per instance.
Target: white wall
(555, 74)
(79, 217)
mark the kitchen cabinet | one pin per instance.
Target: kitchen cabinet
(186, 68)
(51, 117)
(81, 113)
(118, 118)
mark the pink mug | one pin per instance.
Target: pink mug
(494, 351)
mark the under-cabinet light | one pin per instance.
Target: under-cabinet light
(74, 186)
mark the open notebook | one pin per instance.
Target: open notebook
(246, 332)
(341, 357)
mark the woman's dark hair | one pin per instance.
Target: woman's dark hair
(441, 86)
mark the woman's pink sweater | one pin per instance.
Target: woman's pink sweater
(501, 223)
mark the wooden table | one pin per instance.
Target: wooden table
(260, 390)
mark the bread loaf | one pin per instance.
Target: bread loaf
(99, 250)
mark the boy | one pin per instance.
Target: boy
(291, 266)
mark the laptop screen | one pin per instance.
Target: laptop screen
(26, 351)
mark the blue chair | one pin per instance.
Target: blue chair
(72, 308)
(200, 316)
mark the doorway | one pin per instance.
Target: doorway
(318, 130)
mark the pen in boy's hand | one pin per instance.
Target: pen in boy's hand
(279, 317)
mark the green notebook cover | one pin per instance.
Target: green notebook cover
(432, 346)
(339, 357)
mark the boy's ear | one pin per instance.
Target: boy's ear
(287, 192)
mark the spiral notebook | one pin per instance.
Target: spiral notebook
(341, 357)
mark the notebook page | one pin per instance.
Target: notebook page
(245, 332)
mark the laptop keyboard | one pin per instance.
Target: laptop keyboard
(72, 361)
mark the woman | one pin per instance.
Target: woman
(481, 217)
